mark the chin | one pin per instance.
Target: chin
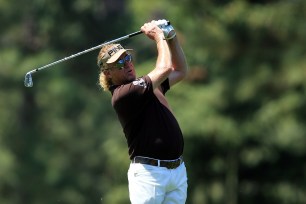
(132, 78)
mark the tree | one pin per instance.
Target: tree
(242, 107)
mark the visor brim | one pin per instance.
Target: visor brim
(116, 56)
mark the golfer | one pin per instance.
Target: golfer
(157, 172)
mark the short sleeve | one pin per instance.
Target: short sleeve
(165, 86)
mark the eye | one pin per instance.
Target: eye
(121, 61)
(128, 58)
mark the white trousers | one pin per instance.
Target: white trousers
(157, 185)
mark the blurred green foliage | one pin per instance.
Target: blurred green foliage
(242, 107)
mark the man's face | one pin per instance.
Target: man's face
(121, 73)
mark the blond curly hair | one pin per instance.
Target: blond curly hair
(104, 81)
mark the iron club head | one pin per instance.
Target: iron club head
(28, 81)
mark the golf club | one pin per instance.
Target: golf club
(28, 81)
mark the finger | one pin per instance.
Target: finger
(143, 28)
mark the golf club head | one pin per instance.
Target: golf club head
(28, 82)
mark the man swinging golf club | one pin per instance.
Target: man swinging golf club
(157, 172)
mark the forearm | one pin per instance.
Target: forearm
(178, 58)
(163, 66)
(164, 60)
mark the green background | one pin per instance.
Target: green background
(242, 107)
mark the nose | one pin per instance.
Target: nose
(128, 65)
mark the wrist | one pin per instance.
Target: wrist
(172, 40)
(159, 38)
(171, 35)
(169, 32)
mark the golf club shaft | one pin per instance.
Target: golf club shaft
(28, 81)
(85, 51)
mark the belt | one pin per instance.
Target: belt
(169, 164)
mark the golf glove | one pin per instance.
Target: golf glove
(167, 29)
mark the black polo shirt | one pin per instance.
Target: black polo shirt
(150, 128)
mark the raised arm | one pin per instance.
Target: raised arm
(178, 59)
(163, 67)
